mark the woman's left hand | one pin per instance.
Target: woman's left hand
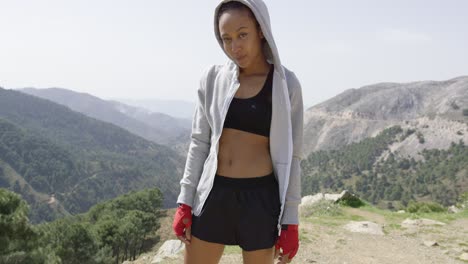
(289, 243)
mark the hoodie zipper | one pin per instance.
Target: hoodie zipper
(226, 105)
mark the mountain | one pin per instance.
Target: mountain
(177, 108)
(52, 154)
(434, 108)
(157, 127)
(390, 142)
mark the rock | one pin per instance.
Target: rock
(454, 209)
(401, 211)
(464, 256)
(429, 243)
(311, 199)
(332, 196)
(364, 227)
(345, 195)
(169, 249)
(408, 223)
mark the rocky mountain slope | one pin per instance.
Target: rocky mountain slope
(433, 107)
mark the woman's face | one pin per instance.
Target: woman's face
(242, 40)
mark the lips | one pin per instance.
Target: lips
(240, 58)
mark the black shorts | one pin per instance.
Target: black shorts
(240, 211)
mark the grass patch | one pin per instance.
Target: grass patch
(321, 208)
(432, 230)
(394, 217)
(441, 217)
(304, 238)
(328, 214)
(425, 207)
(391, 227)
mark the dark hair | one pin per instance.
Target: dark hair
(235, 5)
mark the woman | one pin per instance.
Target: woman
(241, 184)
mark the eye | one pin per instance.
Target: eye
(243, 35)
(226, 40)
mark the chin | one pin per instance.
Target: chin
(242, 64)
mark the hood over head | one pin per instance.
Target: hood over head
(260, 11)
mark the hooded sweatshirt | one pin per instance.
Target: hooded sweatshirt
(217, 88)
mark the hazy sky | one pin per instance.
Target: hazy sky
(158, 49)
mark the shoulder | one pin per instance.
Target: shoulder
(291, 80)
(218, 70)
(209, 72)
(212, 73)
(217, 75)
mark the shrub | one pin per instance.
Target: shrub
(424, 207)
(351, 201)
(420, 137)
(463, 200)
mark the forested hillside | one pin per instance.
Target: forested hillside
(110, 232)
(48, 150)
(440, 176)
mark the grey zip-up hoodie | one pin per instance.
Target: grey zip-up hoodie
(218, 86)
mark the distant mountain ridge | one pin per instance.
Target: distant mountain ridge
(176, 108)
(157, 127)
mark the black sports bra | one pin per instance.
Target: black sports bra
(252, 114)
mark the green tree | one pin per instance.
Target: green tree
(18, 238)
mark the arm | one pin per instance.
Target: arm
(198, 150)
(293, 194)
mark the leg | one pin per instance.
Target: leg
(257, 228)
(202, 252)
(261, 256)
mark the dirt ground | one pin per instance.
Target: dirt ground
(324, 240)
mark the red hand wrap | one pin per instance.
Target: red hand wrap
(289, 241)
(183, 212)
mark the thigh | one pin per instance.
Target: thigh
(203, 252)
(261, 256)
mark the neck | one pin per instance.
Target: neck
(260, 66)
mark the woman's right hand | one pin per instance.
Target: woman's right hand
(183, 220)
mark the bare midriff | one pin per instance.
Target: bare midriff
(243, 154)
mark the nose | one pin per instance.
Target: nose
(235, 46)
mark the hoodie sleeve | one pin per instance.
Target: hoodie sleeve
(199, 147)
(293, 194)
